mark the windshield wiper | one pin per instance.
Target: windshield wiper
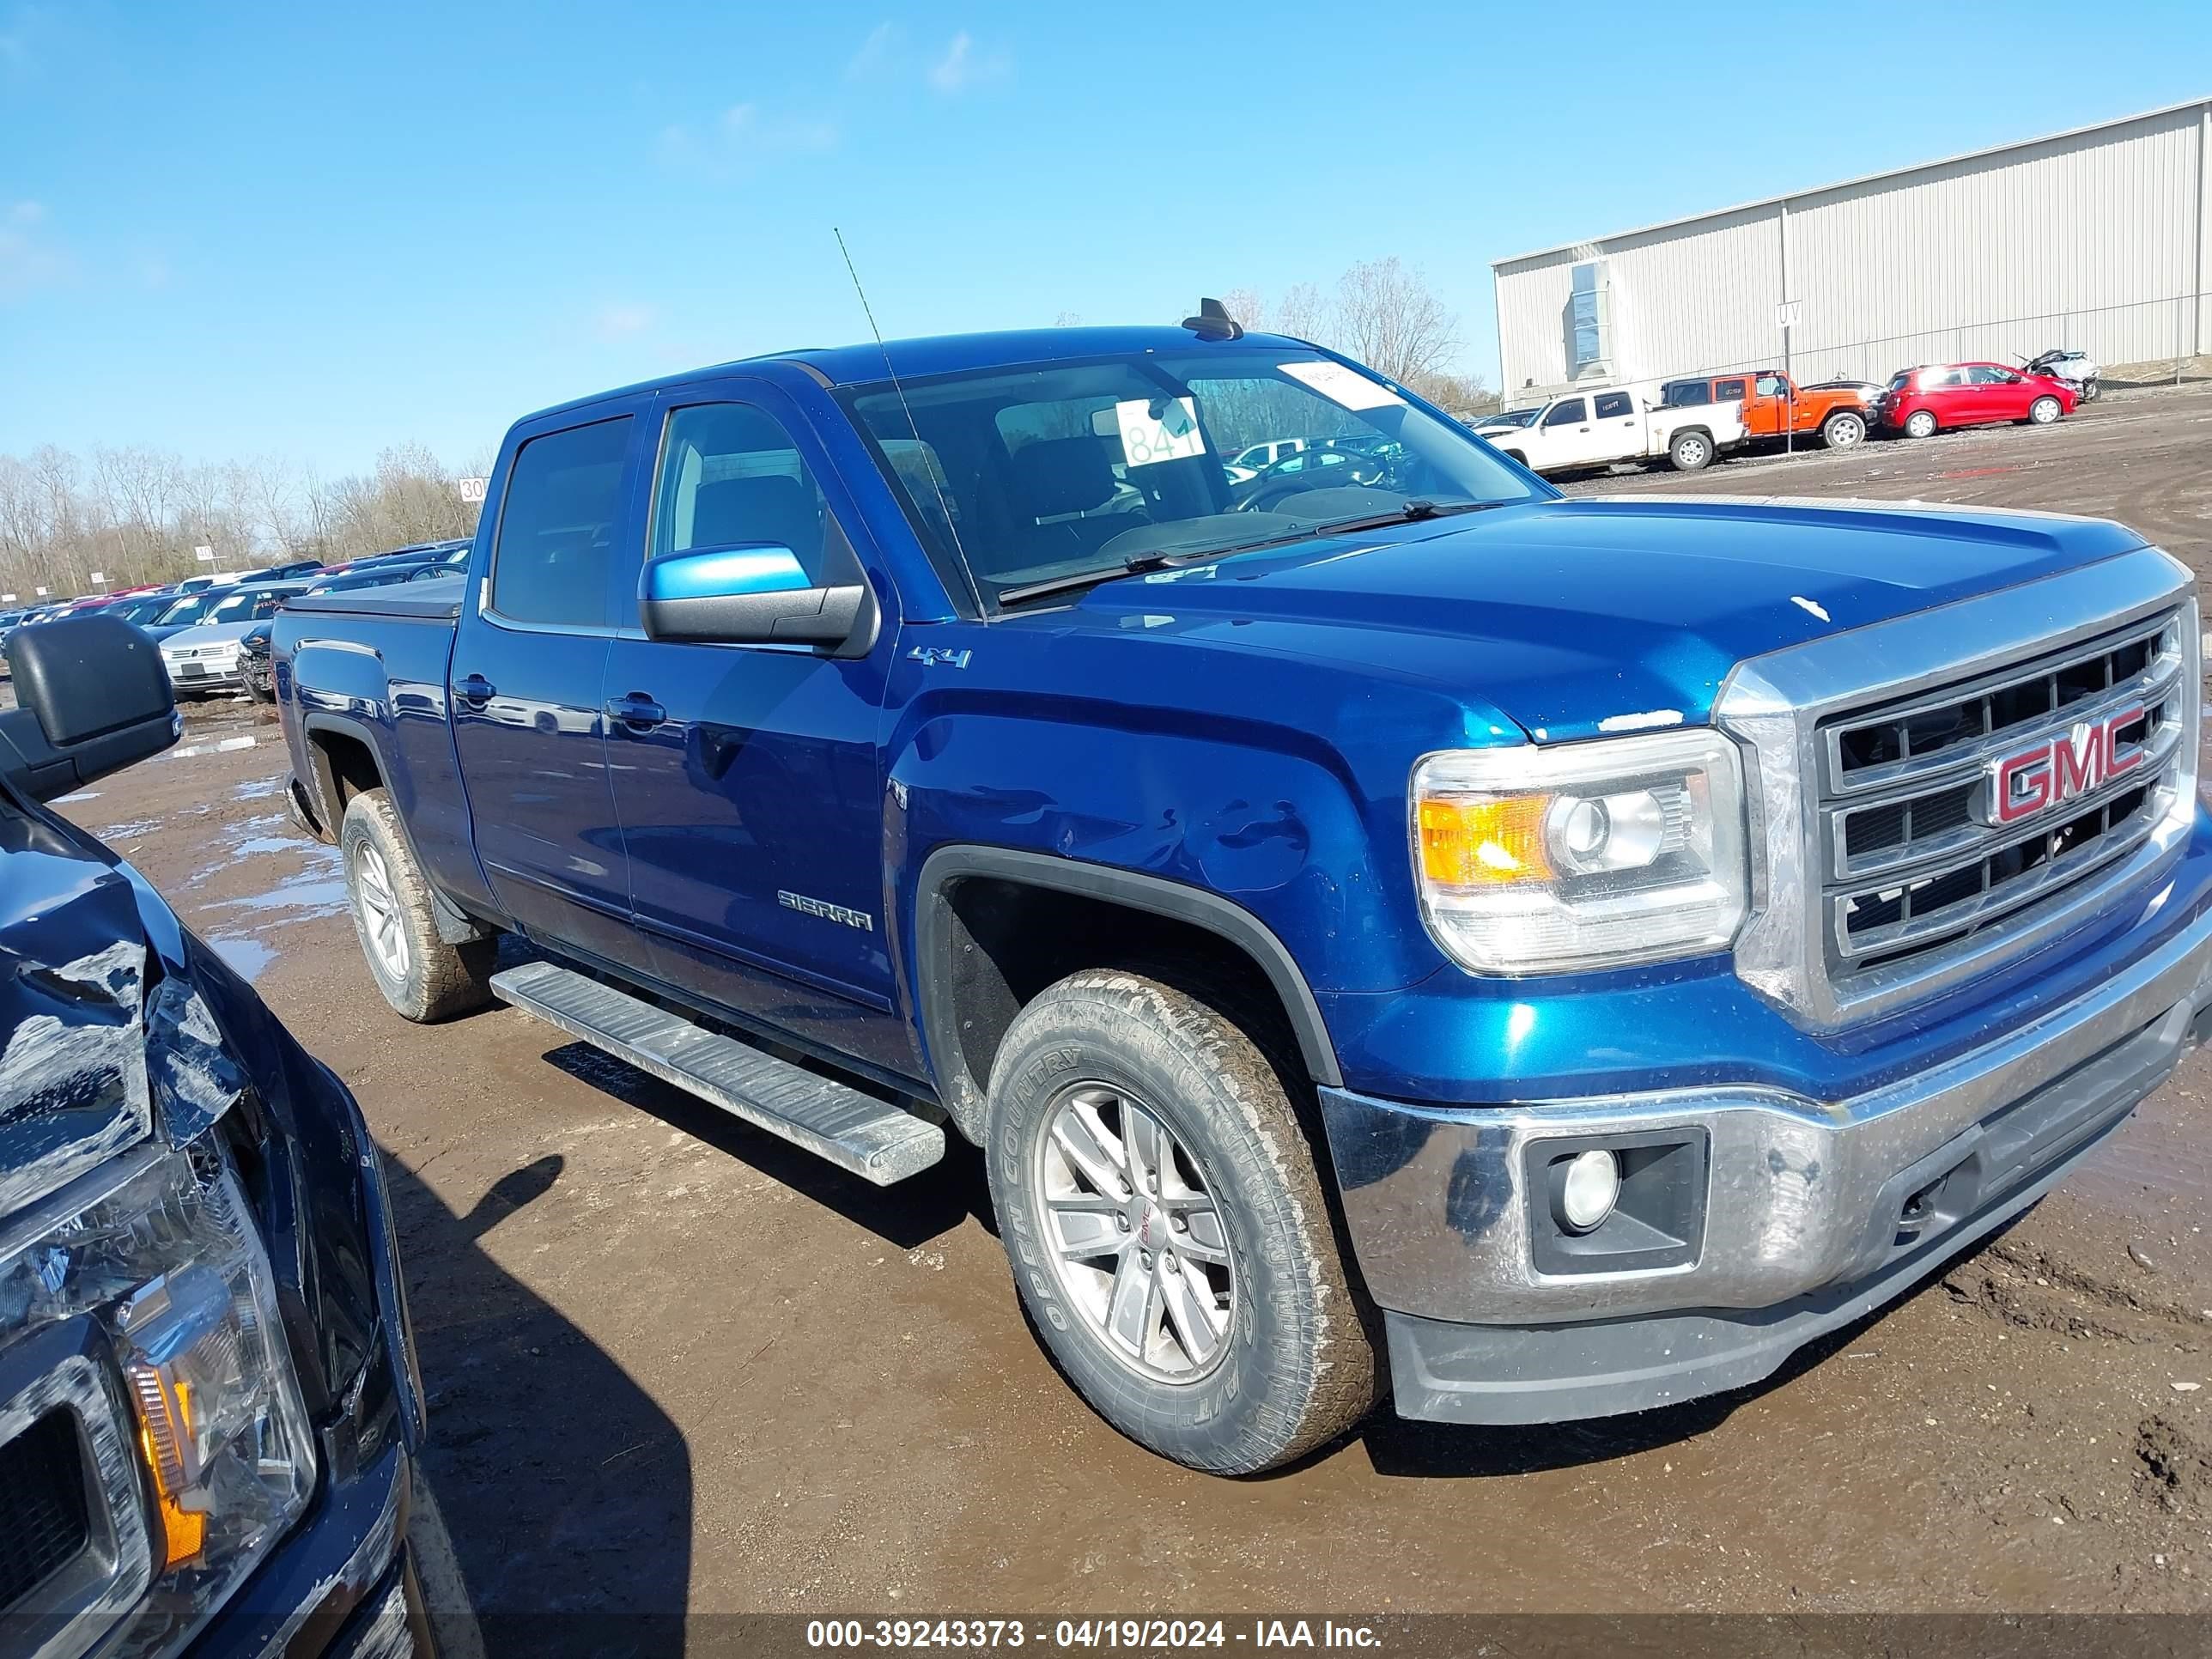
(1135, 565)
(1413, 512)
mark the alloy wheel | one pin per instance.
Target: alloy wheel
(379, 911)
(1137, 1241)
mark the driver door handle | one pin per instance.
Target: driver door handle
(476, 689)
(636, 711)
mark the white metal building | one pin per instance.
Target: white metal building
(2097, 240)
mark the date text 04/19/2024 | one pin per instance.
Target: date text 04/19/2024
(1125, 1635)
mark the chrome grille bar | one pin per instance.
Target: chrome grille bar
(1835, 816)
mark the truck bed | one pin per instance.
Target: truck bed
(420, 601)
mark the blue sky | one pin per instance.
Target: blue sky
(307, 230)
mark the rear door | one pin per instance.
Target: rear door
(747, 775)
(1618, 424)
(524, 685)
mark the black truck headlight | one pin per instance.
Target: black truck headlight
(160, 1249)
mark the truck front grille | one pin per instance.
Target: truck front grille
(45, 1521)
(1912, 858)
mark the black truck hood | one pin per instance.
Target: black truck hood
(74, 1089)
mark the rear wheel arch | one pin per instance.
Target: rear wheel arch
(345, 762)
(995, 925)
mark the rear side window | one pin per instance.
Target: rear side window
(731, 476)
(1613, 403)
(557, 526)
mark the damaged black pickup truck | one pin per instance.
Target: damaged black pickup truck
(209, 1408)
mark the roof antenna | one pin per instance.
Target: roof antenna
(1213, 322)
(926, 454)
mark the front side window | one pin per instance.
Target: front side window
(1567, 412)
(1772, 386)
(557, 526)
(730, 477)
(1050, 472)
(1986, 375)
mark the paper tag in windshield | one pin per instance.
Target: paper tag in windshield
(1149, 438)
(1340, 385)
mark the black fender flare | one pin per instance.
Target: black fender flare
(934, 974)
(455, 926)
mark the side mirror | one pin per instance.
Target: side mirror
(758, 594)
(93, 699)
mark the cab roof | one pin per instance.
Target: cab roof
(952, 353)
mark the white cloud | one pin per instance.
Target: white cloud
(963, 65)
(879, 53)
(740, 136)
(620, 320)
(29, 256)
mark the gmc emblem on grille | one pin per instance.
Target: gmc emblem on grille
(2085, 757)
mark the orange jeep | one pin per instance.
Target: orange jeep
(1774, 405)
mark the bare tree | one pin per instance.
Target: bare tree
(1390, 319)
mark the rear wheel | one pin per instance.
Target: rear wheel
(1691, 452)
(2044, 410)
(1921, 423)
(421, 976)
(1167, 1226)
(1844, 429)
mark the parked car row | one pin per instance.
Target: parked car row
(1689, 423)
(201, 624)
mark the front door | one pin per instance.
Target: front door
(525, 691)
(1563, 437)
(746, 775)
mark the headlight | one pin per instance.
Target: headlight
(1534, 860)
(167, 1260)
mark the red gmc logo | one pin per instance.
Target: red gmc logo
(2059, 769)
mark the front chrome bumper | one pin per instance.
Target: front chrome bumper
(1802, 1195)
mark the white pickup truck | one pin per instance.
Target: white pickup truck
(1598, 427)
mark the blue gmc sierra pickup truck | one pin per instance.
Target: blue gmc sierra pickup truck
(1386, 924)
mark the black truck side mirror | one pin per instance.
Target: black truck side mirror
(92, 698)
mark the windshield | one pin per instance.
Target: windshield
(184, 611)
(242, 607)
(1050, 471)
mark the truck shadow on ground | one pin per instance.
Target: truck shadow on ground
(567, 1490)
(907, 1215)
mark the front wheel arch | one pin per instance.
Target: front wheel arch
(978, 961)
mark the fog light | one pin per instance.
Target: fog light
(1590, 1190)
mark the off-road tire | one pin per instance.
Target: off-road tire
(438, 980)
(1690, 452)
(1844, 430)
(1300, 1368)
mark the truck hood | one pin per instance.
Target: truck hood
(74, 1089)
(1577, 617)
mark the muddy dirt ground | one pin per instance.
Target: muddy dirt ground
(673, 1363)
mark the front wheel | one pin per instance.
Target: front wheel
(1167, 1227)
(1844, 430)
(1921, 423)
(421, 976)
(2090, 391)
(1691, 452)
(2044, 410)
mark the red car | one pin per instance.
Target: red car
(1921, 402)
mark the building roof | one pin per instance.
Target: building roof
(1849, 184)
